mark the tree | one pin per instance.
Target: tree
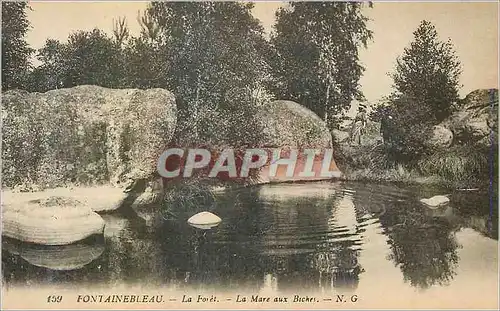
(425, 87)
(51, 73)
(93, 58)
(315, 60)
(146, 58)
(15, 49)
(429, 72)
(215, 61)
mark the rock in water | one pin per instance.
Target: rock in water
(204, 220)
(436, 201)
(54, 221)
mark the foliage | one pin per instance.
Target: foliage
(407, 131)
(424, 249)
(314, 59)
(51, 73)
(89, 58)
(215, 64)
(429, 72)
(15, 49)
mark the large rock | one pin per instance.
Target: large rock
(475, 119)
(84, 135)
(440, 138)
(288, 124)
(277, 124)
(51, 221)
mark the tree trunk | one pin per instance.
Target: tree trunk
(327, 98)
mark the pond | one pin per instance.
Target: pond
(320, 237)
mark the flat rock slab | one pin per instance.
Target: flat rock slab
(50, 221)
(98, 199)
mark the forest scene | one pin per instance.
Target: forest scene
(86, 115)
(218, 69)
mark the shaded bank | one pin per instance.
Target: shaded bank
(462, 151)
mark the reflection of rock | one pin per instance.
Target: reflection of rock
(65, 257)
(289, 191)
(52, 221)
(344, 214)
(444, 211)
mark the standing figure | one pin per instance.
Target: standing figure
(386, 125)
(358, 125)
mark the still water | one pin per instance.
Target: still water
(288, 238)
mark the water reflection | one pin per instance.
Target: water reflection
(287, 238)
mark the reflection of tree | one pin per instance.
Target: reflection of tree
(422, 242)
(423, 247)
(337, 261)
(226, 256)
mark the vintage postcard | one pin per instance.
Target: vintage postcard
(249, 155)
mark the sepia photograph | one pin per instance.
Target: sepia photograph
(249, 155)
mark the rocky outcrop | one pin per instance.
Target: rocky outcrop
(84, 135)
(476, 118)
(51, 221)
(277, 124)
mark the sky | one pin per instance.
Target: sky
(471, 26)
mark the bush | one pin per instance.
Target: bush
(187, 196)
(465, 165)
(405, 129)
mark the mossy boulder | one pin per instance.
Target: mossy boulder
(84, 135)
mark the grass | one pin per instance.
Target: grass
(187, 196)
(465, 166)
(458, 167)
